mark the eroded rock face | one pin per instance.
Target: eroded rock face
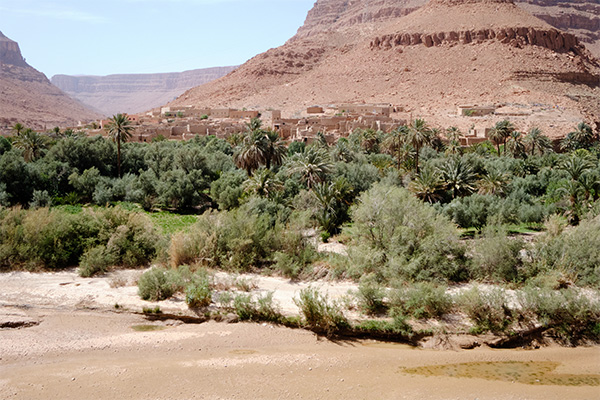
(579, 17)
(28, 97)
(10, 53)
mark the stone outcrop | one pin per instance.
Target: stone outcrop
(518, 37)
(133, 93)
(10, 54)
(578, 17)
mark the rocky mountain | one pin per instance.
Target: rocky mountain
(580, 17)
(132, 93)
(27, 96)
(445, 54)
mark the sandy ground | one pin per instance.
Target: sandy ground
(73, 344)
(84, 354)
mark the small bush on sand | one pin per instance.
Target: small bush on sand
(497, 257)
(319, 314)
(198, 292)
(370, 296)
(569, 313)
(261, 309)
(95, 261)
(423, 300)
(487, 308)
(158, 284)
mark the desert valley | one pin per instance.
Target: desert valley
(401, 201)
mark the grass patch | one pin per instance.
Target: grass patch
(170, 223)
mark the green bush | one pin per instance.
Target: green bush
(198, 293)
(570, 314)
(398, 237)
(574, 252)
(487, 308)
(371, 296)
(261, 309)
(319, 314)
(95, 260)
(496, 257)
(422, 300)
(158, 284)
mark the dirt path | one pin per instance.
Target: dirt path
(83, 354)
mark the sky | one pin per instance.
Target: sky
(103, 37)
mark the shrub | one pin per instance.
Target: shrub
(497, 257)
(400, 237)
(487, 308)
(574, 252)
(158, 284)
(397, 326)
(370, 296)
(198, 293)
(95, 260)
(319, 314)
(569, 313)
(423, 300)
(261, 309)
(41, 198)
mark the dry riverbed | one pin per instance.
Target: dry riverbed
(62, 338)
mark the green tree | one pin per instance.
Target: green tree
(252, 152)
(535, 141)
(514, 144)
(313, 165)
(428, 185)
(119, 130)
(18, 128)
(419, 134)
(501, 132)
(32, 144)
(263, 183)
(582, 137)
(458, 175)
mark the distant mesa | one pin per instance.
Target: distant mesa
(133, 93)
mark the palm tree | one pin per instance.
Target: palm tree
(396, 144)
(536, 141)
(428, 185)
(312, 165)
(275, 150)
(32, 144)
(251, 153)
(335, 199)
(120, 130)
(18, 128)
(581, 138)
(458, 176)
(576, 166)
(493, 182)
(501, 132)
(453, 135)
(263, 183)
(419, 134)
(514, 144)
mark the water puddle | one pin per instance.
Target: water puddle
(147, 328)
(243, 352)
(531, 373)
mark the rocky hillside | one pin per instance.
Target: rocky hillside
(446, 53)
(579, 17)
(132, 93)
(27, 96)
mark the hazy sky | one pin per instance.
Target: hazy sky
(102, 37)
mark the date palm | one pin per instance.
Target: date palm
(501, 132)
(119, 130)
(252, 152)
(263, 183)
(493, 182)
(576, 166)
(581, 138)
(313, 165)
(537, 141)
(419, 134)
(458, 175)
(275, 150)
(428, 185)
(32, 144)
(515, 145)
(18, 128)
